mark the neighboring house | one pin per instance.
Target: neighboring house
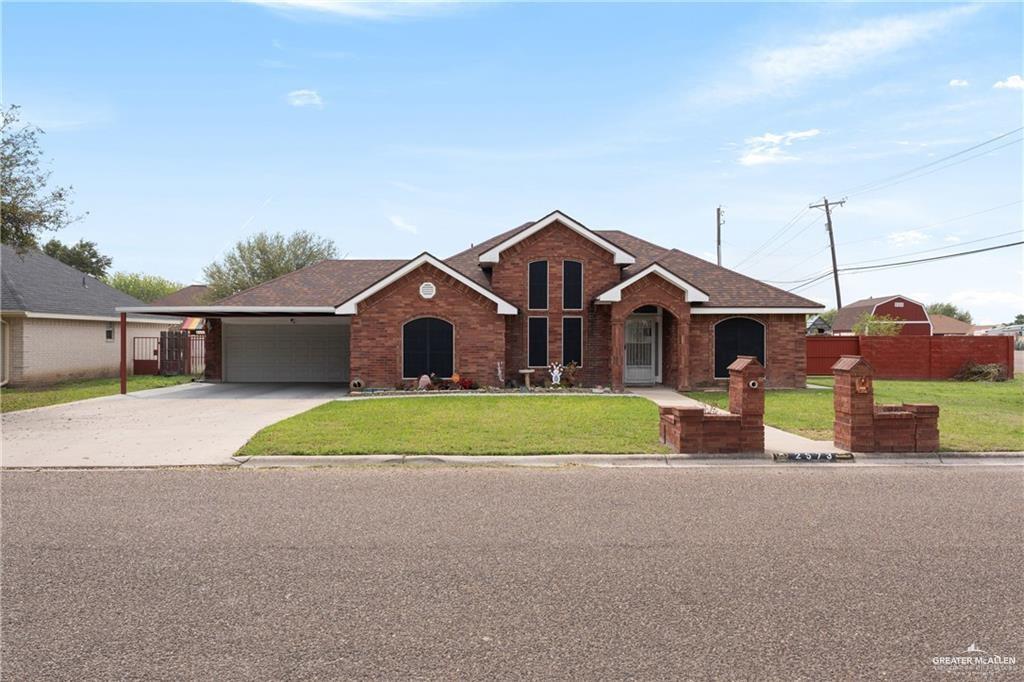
(943, 325)
(625, 310)
(912, 315)
(193, 294)
(818, 327)
(59, 323)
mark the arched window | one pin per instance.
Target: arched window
(427, 348)
(737, 336)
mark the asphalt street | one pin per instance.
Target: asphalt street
(823, 572)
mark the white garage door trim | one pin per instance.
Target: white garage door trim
(285, 350)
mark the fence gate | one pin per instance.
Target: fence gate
(145, 358)
(175, 349)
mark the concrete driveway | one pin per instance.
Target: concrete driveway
(181, 425)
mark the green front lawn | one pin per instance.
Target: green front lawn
(466, 425)
(12, 399)
(973, 416)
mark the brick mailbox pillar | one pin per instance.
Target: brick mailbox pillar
(746, 399)
(854, 403)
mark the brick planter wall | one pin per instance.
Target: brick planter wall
(862, 426)
(692, 430)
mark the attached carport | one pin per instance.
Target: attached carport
(267, 343)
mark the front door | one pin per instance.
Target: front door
(641, 350)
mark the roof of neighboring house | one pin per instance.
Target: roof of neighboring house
(33, 282)
(190, 295)
(944, 324)
(331, 282)
(850, 314)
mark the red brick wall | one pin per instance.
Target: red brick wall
(376, 341)
(912, 357)
(785, 349)
(653, 290)
(509, 280)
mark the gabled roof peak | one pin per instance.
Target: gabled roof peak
(620, 256)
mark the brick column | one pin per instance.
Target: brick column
(746, 399)
(854, 403)
(618, 353)
(683, 353)
(214, 363)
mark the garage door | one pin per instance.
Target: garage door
(285, 352)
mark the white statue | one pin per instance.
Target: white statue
(501, 375)
(555, 369)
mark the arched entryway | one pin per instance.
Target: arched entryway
(735, 336)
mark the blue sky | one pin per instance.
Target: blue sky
(397, 128)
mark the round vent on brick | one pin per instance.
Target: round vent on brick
(428, 290)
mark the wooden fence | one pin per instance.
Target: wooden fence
(910, 357)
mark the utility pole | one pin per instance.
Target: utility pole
(718, 221)
(832, 242)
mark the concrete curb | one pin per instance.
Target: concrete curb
(607, 461)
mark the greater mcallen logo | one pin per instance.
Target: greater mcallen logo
(974, 660)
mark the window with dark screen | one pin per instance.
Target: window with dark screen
(572, 285)
(572, 340)
(537, 337)
(427, 348)
(538, 294)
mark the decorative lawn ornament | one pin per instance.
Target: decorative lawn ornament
(356, 383)
(555, 369)
(501, 374)
(424, 383)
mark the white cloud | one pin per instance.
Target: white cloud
(399, 222)
(972, 297)
(951, 239)
(305, 98)
(356, 9)
(769, 148)
(1014, 82)
(958, 83)
(776, 70)
(906, 238)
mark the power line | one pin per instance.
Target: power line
(775, 236)
(861, 188)
(901, 264)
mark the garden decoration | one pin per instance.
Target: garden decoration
(555, 369)
(501, 373)
(424, 382)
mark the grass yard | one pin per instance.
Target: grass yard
(468, 425)
(12, 399)
(973, 416)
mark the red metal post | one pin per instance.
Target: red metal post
(124, 353)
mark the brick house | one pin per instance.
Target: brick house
(625, 310)
(912, 315)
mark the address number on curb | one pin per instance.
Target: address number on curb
(810, 457)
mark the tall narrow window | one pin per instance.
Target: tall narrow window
(538, 296)
(109, 331)
(572, 340)
(537, 338)
(572, 285)
(427, 348)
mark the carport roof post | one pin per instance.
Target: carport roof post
(124, 353)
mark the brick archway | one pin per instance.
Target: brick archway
(653, 290)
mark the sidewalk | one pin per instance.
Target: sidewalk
(775, 440)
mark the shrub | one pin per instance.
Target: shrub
(972, 371)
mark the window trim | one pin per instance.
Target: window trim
(109, 332)
(583, 337)
(547, 341)
(547, 284)
(582, 287)
(401, 344)
(714, 332)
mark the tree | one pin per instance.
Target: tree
(263, 257)
(949, 310)
(829, 316)
(28, 206)
(82, 256)
(146, 288)
(877, 325)
(1019, 319)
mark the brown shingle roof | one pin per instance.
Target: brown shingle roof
(724, 287)
(191, 295)
(944, 324)
(329, 282)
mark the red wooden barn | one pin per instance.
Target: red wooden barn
(912, 313)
